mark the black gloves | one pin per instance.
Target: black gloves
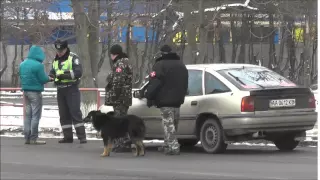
(149, 103)
(64, 76)
(51, 78)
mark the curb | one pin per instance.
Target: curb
(54, 133)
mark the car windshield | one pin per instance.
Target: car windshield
(256, 78)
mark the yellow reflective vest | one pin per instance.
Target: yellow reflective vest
(67, 66)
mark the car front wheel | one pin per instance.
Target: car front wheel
(286, 144)
(211, 137)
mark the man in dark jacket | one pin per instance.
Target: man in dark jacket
(119, 87)
(166, 90)
(67, 71)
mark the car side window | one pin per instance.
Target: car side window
(195, 83)
(213, 85)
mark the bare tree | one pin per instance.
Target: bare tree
(82, 24)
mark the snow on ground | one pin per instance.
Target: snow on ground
(11, 124)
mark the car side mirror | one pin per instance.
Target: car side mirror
(138, 94)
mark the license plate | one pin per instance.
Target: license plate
(282, 103)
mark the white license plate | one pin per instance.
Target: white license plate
(282, 103)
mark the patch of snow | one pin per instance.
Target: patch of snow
(48, 92)
(176, 23)
(253, 144)
(225, 6)
(11, 125)
(163, 10)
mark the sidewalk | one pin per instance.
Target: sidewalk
(12, 125)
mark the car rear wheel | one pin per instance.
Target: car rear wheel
(188, 142)
(211, 137)
(286, 143)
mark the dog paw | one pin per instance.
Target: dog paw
(134, 150)
(104, 155)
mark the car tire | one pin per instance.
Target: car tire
(286, 143)
(188, 142)
(212, 137)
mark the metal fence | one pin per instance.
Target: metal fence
(16, 94)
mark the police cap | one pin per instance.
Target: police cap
(60, 45)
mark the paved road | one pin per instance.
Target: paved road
(75, 161)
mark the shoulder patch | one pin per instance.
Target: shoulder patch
(118, 70)
(73, 54)
(76, 61)
(153, 74)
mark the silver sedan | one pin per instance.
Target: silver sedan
(232, 103)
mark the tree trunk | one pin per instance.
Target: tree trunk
(244, 32)
(234, 39)
(307, 52)
(251, 57)
(219, 38)
(202, 32)
(106, 48)
(81, 23)
(14, 60)
(14, 67)
(5, 56)
(129, 27)
(283, 37)
(93, 40)
(272, 48)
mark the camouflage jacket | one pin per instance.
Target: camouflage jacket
(119, 83)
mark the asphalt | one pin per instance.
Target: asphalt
(76, 161)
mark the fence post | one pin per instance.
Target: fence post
(98, 99)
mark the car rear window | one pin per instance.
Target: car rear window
(255, 78)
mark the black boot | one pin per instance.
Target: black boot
(65, 140)
(83, 141)
(81, 133)
(67, 136)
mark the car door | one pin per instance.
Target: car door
(219, 99)
(190, 108)
(151, 116)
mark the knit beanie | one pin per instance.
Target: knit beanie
(116, 49)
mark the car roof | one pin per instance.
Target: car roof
(220, 66)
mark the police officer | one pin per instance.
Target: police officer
(168, 84)
(119, 88)
(67, 71)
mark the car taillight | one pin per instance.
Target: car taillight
(247, 104)
(312, 101)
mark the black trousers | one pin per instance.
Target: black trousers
(69, 111)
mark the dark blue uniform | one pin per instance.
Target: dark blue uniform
(67, 71)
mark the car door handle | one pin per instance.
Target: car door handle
(194, 103)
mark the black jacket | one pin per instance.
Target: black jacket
(168, 82)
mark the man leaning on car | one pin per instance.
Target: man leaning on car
(166, 90)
